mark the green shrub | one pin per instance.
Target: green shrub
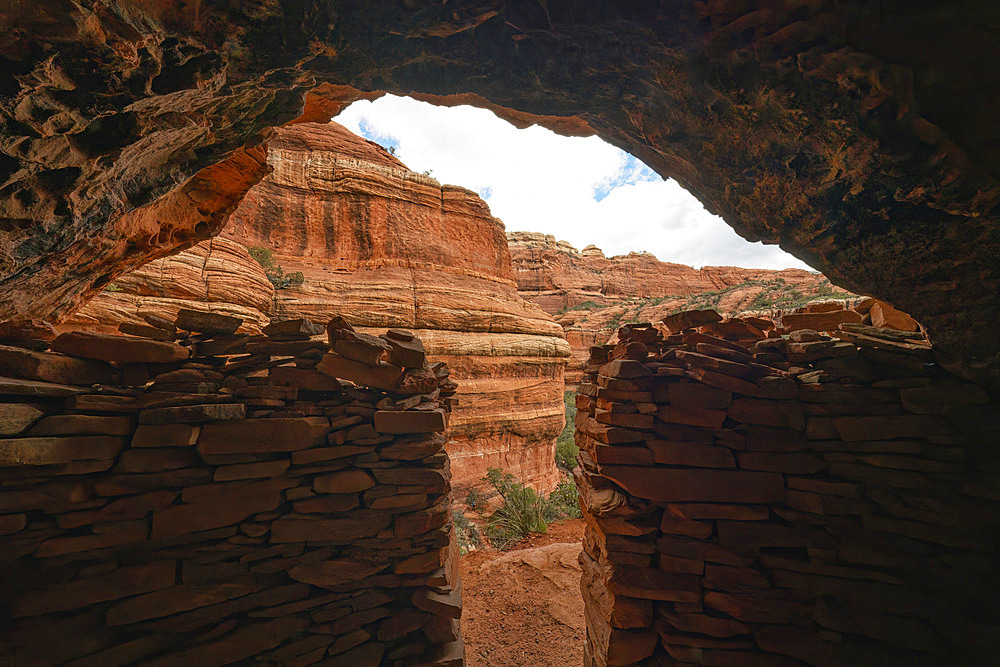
(522, 512)
(466, 533)
(273, 271)
(566, 449)
(564, 501)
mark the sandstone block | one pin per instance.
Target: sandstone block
(224, 507)
(53, 450)
(359, 524)
(886, 316)
(302, 378)
(118, 349)
(784, 414)
(206, 323)
(193, 414)
(174, 600)
(144, 331)
(251, 470)
(406, 353)
(165, 435)
(690, 319)
(827, 321)
(679, 485)
(624, 369)
(344, 481)
(82, 425)
(382, 376)
(697, 395)
(154, 460)
(50, 367)
(410, 421)
(689, 454)
(692, 416)
(293, 328)
(120, 583)
(16, 417)
(262, 436)
(448, 605)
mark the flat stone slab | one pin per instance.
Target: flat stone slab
(118, 349)
(193, 414)
(409, 421)
(262, 436)
(207, 323)
(17, 387)
(53, 450)
(50, 367)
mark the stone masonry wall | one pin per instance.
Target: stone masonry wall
(210, 497)
(787, 501)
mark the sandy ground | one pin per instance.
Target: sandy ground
(523, 606)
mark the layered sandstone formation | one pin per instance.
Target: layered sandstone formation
(589, 294)
(387, 247)
(217, 275)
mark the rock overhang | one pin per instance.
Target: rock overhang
(857, 137)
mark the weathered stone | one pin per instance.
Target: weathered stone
(679, 485)
(224, 506)
(262, 436)
(827, 321)
(51, 367)
(118, 349)
(382, 376)
(155, 460)
(54, 450)
(193, 414)
(144, 331)
(448, 605)
(692, 416)
(16, 417)
(855, 429)
(690, 319)
(784, 414)
(293, 328)
(120, 583)
(884, 315)
(409, 421)
(81, 425)
(212, 324)
(303, 378)
(406, 353)
(686, 454)
(18, 387)
(358, 524)
(345, 481)
(251, 470)
(165, 435)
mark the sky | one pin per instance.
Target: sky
(580, 190)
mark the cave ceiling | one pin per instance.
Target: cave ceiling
(859, 136)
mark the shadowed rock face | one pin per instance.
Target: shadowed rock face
(859, 136)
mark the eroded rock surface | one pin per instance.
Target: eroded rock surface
(860, 136)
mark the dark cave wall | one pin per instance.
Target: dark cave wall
(857, 135)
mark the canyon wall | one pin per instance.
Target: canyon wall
(819, 500)
(388, 247)
(590, 294)
(384, 247)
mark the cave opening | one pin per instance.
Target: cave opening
(812, 499)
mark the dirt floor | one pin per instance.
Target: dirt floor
(523, 606)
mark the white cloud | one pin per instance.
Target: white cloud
(581, 190)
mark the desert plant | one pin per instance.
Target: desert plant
(522, 512)
(564, 501)
(566, 449)
(274, 272)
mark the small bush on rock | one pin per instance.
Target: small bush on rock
(566, 449)
(275, 273)
(565, 500)
(522, 512)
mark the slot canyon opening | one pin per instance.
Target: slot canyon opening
(196, 493)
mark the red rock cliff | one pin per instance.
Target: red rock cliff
(387, 247)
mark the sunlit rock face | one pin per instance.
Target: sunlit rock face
(860, 136)
(387, 247)
(217, 275)
(588, 293)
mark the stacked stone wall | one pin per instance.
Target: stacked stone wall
(800, 500)
(216, 498)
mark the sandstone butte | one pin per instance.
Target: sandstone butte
(385, 247)
(588, 293)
